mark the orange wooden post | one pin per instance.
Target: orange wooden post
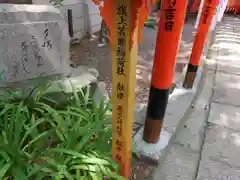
(199, 42)
(125, 20)
(129, 17)
(170, 27)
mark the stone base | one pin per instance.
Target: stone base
(153, 151)
(79, 78)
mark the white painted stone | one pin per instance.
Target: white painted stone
(101, 93)
(214, 170)
(81, 77)
(222, 144)
(34, 42)
(140, 113)
(151, 150)
(179, 164)
(225, 115)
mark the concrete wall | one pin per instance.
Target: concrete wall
(86, 15)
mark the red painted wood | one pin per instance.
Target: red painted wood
(233, 5)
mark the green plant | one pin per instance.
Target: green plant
(41, 138)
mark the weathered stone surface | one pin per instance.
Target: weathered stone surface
(180, 98)
(179, 164)
(230, 81)
(227, 96)
(222, 144)
(229, 68)
(225, 115)
(214, 170)
(82, 76)
(190, 132)
(34, 42)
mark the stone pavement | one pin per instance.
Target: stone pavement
(206, 145)
(221, 149)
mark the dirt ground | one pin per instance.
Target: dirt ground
(88, 53)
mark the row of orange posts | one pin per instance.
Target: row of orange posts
(125, 19)
(232, 6)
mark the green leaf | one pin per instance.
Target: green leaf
(18, 174)
(18, 122)
(85, 167)
(30, 130)
(5, 169)
(38, 138)
(6, 109)
(68, 152)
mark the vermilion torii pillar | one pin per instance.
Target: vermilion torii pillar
(199, 42)
(171, 23)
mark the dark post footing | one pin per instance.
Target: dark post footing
(152, 130)
(190, 76)
(189, 80)
(158, 99)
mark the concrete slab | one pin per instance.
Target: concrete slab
(230, 81)
(227, 96)
(226, 67)
(227, 48)
(228, 59)
(223, 32)
(191, 133)
(180, 98)
(237, 30)
(213, 170)
(226, 36)
(225, 115)
(180, 163)
(222, 144)
(232, 40)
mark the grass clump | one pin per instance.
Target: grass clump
(44, 139)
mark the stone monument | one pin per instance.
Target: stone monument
(34, 42)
